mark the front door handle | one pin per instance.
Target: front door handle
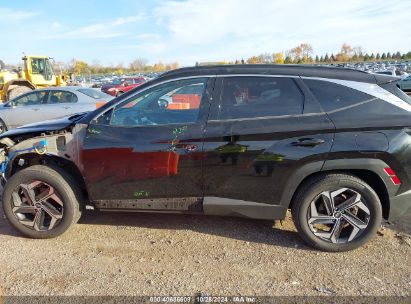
(36, 109)
(308, 142)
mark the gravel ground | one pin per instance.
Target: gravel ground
(164, 254)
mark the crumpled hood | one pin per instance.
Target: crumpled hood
(44, 126)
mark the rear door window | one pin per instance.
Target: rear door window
(334, 96)
(253, 97)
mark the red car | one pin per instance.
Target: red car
(122, 85)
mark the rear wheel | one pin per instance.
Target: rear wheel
(41, 202)
(336, 212)
(119, 93)
(17, 91)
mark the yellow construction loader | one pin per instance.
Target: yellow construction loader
(36, 72)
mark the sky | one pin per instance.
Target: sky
(189, 31)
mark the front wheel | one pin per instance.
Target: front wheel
(336, 212)
(41, 202)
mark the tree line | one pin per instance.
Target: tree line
(81, 67)
(301, 54)
(304, 54)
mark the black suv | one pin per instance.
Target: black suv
(333, 145)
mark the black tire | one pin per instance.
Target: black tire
(66, 189)
(311, 190)
(119, 93)
(3, 127)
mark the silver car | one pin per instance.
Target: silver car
(49, 103)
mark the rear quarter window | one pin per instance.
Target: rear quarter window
(393, 88)
(334, 96)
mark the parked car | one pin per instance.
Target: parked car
(53, 102)
(331, 144)
(122, 85)
(405, 84)
(392, 72)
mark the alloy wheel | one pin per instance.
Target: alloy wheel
(37, 205)
(338, 216)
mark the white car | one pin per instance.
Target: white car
(49, 103)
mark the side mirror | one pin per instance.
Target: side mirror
(162, 103)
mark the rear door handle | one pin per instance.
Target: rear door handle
(308, 142)
(36, 109)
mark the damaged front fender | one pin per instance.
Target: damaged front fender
(63, 144)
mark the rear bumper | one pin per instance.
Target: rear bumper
(400, 205)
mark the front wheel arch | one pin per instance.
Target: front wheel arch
(33, 159)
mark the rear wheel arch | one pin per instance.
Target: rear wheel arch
(368, 175)
(336, 211)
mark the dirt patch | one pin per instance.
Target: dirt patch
(162, 254)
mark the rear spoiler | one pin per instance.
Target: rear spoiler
(383, 79)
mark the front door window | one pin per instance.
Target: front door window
(165, 104)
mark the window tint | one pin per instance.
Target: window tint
(334, 96)
(160, 105)
(61, 97)
(34, 98)
(248, 97)
(393, 88)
